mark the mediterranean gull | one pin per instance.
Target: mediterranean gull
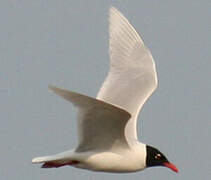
(107, 125)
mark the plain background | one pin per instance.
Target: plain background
(65, 43)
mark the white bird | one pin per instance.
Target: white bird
(107, 125)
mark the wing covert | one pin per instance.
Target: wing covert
(100, 125)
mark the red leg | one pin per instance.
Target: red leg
(57, 164)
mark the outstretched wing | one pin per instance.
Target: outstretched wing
(100, 125)
(132, 77)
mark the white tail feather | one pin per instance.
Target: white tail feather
(44, 159)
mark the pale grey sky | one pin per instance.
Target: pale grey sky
(65, 43)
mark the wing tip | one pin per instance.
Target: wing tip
(56, 90)
(113, 12)
(52, 88)
(112, 8)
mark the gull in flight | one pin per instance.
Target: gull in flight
(107, 125)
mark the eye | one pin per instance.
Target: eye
(157, 156)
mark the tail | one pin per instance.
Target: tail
(44, 159)
(48, 161)
(55, 161)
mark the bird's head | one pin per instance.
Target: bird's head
(156, 158)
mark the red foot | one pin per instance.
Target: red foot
(57, 164)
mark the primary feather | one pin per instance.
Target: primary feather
(132, 77)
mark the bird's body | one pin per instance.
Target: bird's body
(107, 125)
(121, 160)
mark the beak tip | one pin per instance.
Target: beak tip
(171, 166)
(176, 170)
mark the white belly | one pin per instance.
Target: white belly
(123, 161)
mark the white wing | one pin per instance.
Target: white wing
(132, 77)
(100, 125)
